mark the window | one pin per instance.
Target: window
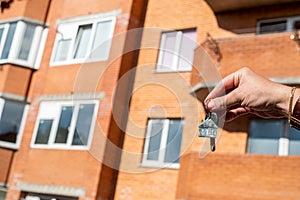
(278, 25)
(19, 42)
(273, 137)
(12, 118)
(83, 39)
(176, 50)
(34, 196)
(163, 142)
(65, 124)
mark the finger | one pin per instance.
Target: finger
(227, 101)
(228, 83)
(237, 112)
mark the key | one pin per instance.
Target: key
(209, 128)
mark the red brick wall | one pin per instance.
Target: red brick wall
(230, 176)
(69, 168)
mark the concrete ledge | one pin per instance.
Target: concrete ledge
(70, 97)
(51, 189)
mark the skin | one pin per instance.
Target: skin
(248, 92)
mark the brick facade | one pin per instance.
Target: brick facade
(132, 92)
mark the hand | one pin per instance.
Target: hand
(244, 92)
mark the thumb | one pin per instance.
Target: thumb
(223, 102)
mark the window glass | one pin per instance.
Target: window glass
(11, 119)
(27, 42)
(83, 124)
(273, 26)
(101, 42)
(1, 34)
(62, 49)
(168, 50)
(35, 196)
(64, 124)
(174, 141)
(264, 136)
(9, 39)
(294, 138)
(82, 40)
(43, 132)
(177, 50)
(188, 45)
(155, 138)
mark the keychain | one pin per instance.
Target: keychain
(209, 128)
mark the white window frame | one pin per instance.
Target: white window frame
(74, 25)
(160, 162)
(36, 45)
(16, 145)
(283, 141)
(49, 115)
(176, 54)
(289, 25)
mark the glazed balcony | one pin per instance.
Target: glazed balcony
(275, 56)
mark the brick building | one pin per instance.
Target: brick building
(84, 116)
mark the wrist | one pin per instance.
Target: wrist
(295, 99)
(283, 101)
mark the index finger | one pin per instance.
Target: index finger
(230, 82)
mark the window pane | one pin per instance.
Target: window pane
(82, 40)
(101, 44)
(155, 138)
(35, 196)
(188, 44)
(62, 50)
(174, 141)
(168, 50)
(83, 124)
(64, 124)
(273, 27)
(264, 136)
(294, 145)
(27, 41)
(9, 39)
(1, 34)
(43, 131)
(11, 120)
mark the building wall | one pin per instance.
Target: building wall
(232, 141)
(162, 95)
(58, 167)
(233, 176)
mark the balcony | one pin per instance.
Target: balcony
(230, 5)
(238, 176)
(275, 56)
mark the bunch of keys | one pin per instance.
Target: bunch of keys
(209, 128)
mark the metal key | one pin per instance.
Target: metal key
(209, 128)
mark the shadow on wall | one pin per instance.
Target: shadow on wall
(245, 20)
(5, 4)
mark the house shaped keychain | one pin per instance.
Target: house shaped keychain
(209, 129)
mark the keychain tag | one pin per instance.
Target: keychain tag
(209, 129)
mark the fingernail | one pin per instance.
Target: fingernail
(211, 105)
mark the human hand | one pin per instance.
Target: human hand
(248, 92)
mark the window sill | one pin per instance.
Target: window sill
(16, 62)
(9, 145)
(171, 71)
(60, 147)
(77, 61)
(162, 166)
